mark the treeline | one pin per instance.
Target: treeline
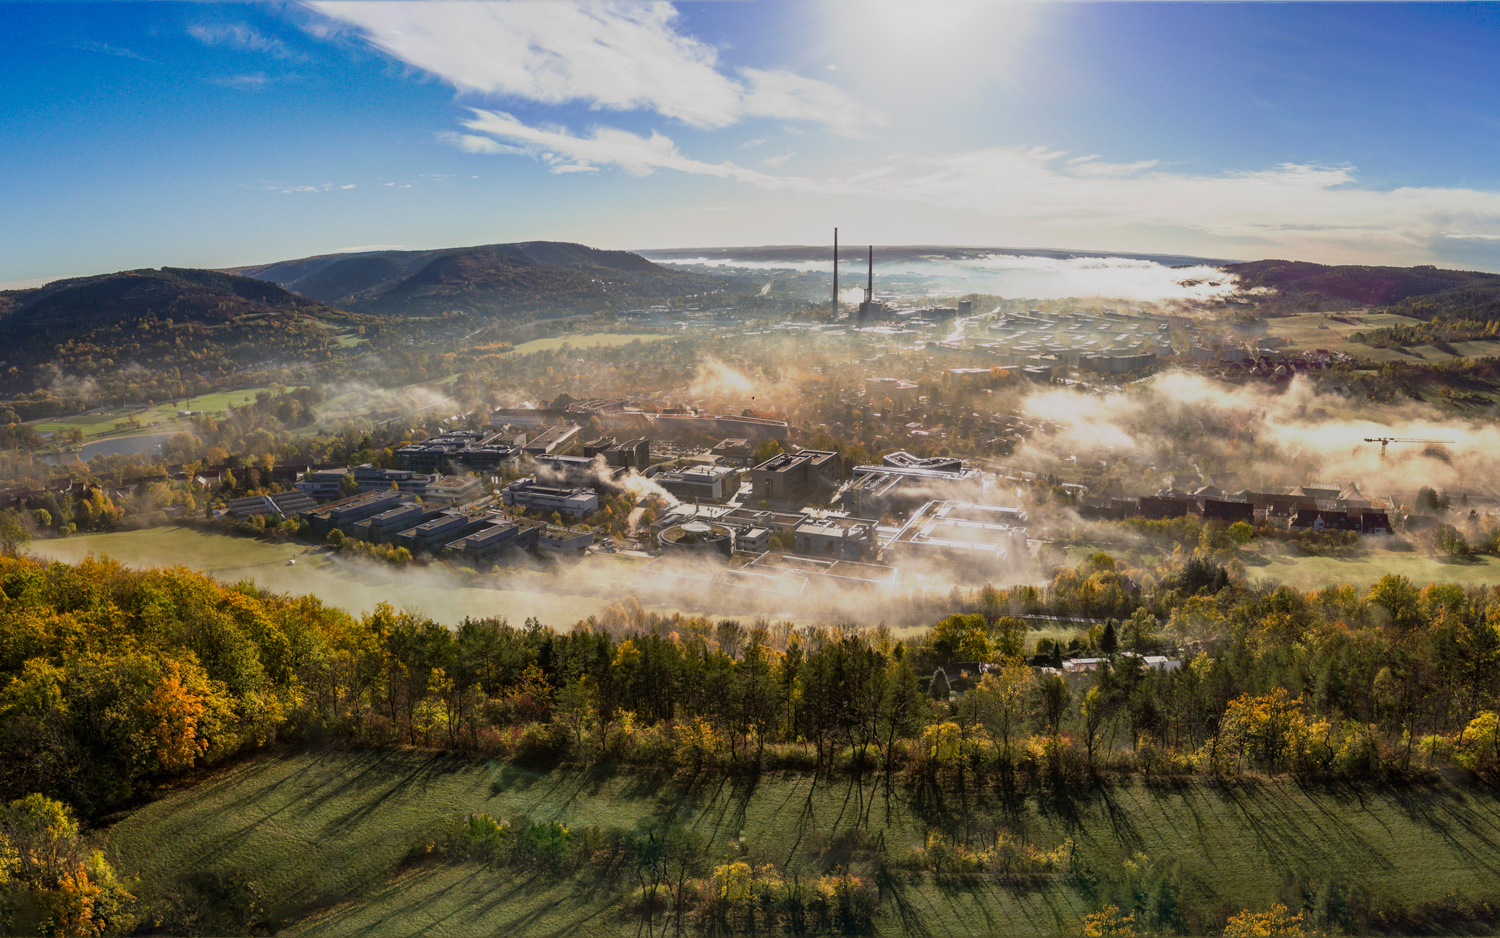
(1437, 332)
(1460, 382)
(115, 678)
(670, 877)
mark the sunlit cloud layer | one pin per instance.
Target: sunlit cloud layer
(610, 56)
(637, 124)
(1299, 209)
(1291, 206)
(636, 57)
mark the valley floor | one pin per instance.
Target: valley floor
(558, 597)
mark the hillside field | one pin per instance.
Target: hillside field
(1310, 573)
(587, 340)
(102, 423)
(1303, 572)
(1307, 331)
(322, 835)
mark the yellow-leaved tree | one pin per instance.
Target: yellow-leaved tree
(50, 882)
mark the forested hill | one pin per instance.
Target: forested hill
(530, 276)
(1417, 291)
(153, 316)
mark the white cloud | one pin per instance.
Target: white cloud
(241, 36)
(253, 82)
(34, 282)
(288, 189)
(787, 96)
(565, 152)
(1320, 209)
(635, 56)
(472, 143)
(1291, 209)
(104, 48)
(610, 56)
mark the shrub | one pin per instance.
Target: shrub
(698, 745)
(541, 745)
(1275, 922)
(1109, 922)
(1479, 750)
(844, 904)
(1007, 859)
(738, 898)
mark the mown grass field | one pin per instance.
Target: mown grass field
(589, 340)
(1309, 573)
(100, 424)
(1306, 331)
(1265, 560)
(323, 835)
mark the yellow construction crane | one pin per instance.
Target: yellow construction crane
(1385, 441)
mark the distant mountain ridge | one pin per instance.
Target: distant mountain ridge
(207, 295)
(851, 251)
(1360, 284)
(148, 315)
(490, 278)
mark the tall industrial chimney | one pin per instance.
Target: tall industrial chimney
(864, 308)
(835, 274)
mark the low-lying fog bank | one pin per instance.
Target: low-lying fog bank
(353, 587)
(559, 595)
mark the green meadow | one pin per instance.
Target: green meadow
(324, 836)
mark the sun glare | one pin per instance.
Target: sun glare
(922, 49)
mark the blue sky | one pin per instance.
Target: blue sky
(151, 134)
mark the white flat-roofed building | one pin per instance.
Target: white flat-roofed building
(372, 478)
(322, 484)
(562, 540)
(445, 528)
(533, 496)
(564, 470)
(484, 546)
(830, 538)
(701, 483)
(562, 440)
(962, 533)
(453, 490)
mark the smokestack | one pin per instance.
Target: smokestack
(835, 274)
(864, 308)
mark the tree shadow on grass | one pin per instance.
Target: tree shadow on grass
(411, 776)
(911, 919)
(1451, 813)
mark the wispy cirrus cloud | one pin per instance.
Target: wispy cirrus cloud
(604, 147)
(295, 188)
(242, 36)
(104, 48)
(608, 56)
(250, 82)
(361, 248)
